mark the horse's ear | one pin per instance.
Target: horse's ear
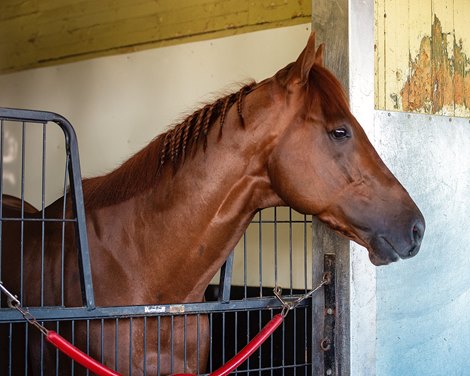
(299, 71)
(309, 57)
(319, 55)
(306, 60)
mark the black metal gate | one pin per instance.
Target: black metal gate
(275, 250)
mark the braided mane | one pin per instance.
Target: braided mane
(141, 171)
(178, 140)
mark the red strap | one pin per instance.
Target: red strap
(101, 370)
(250, 348)
(80, 357)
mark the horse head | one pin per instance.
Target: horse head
(324, 164)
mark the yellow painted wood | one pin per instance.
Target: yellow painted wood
(380, 72)
(44, 32)
(422, 56)
(462, 59)
(396, 50)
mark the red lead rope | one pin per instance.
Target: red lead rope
(249, 349)
(79, 356)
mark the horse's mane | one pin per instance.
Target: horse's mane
(141, 171)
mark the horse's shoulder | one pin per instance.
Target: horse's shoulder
(15, 204)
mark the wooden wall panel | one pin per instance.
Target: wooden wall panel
(422, 63)
(45, 32)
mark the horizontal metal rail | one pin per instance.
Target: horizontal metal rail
(8, 315)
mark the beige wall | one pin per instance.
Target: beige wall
(423, 56)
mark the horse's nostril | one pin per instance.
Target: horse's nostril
(418, 232)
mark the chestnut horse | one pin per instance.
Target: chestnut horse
(162, 224)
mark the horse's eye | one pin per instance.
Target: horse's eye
(339, 133)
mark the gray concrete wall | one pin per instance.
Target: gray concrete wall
(423, 304)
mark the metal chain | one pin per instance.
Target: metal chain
(13, 302)
(288, 305)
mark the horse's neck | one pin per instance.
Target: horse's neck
(183, 229)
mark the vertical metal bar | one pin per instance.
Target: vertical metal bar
(57, 328)
(235, 334)
(184, 342)
(158, 345)
(291, 284)
(88, 341)
(211, 339)
(130, 346)
(172, 349)
(145, 345)
(41, 362)
(78, 207)
(43, 213)
(260, 249)
(260, 353)
(305, 254)
(198, 341)
(271, 351)
(245, 290)
(62, 245)
(23, 156)
(275, 248)
(283, 351)
(248, 361)
(102, 341)
(26, 347)
(294, 318)
(10, 349)
(1, 197)
(73, 343)
(116, 344)
(226, 279)
(223, 337)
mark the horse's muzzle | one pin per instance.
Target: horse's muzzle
(385, 249)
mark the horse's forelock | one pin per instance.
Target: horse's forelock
(334, 101)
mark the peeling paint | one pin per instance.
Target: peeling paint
(438, 83)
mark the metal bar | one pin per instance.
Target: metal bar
(1, 198)
(145, 345)
(22, 214)
(185, 337)
(275, 248)
(43, 212)
(226, 279)
(62, 243)
(328, 341)
(26, 347)
(130, 346)
(76, 193)
(198, 343)
(52, 220)
(260, 250)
